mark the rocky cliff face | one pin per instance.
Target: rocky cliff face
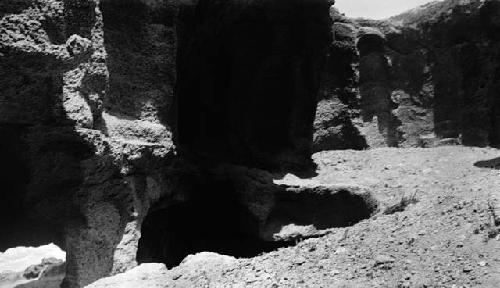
(113, 111)
(425, 75)
(127, 125)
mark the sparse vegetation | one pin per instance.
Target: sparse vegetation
(405, 201)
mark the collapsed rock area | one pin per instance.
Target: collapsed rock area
(424, 78)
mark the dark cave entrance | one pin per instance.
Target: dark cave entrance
(215, 220)
(17, 224)
(212, 221)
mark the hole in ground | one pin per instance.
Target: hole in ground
(319, 208)
(212, 221)
(31, 267)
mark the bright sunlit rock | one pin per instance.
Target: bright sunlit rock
(19, 258)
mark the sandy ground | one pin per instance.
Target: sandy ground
(448, 238)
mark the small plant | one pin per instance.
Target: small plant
(402, 204)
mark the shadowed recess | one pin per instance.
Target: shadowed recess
(17, 227)
(491, 163)
(247, 85)
(213, 220)
(321, 210)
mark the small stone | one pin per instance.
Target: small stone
(299, 260)
(467, 269)
(341, 250)
(32, 271)
(482, 263)
(383, 259)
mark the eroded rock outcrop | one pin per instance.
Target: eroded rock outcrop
(109, 108)
(338, 99)
(426, 75)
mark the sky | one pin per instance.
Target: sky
(376, 9)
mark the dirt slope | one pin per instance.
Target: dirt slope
(447, 239)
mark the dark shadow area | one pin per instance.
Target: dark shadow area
(40, 156)
(213, 220)
(43, 168)
(39, 174)
(491, 163)
(17, 227)
(494, 100)
(41, 152)
(322, 210)
(13, 6)
(79, 19)
(466, 75)
(247, 85)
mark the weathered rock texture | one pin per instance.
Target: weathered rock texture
(110, 107)
(429, 74)
(124, 121)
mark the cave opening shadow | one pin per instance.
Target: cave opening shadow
(212, 221)
(491, 163)
(324, 211)
(320, 209)
(18, 223)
